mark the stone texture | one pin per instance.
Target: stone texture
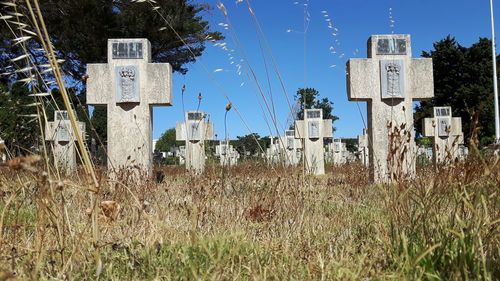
(60, 133)
(447, 135)
(363, 148)
(130, 117)
(388, 116)
(194, 131)
(337, 153)
(313, 130)
(228, 156)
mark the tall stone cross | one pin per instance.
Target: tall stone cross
(363, 148)
(59, 132)
(130, 85)
(313, 129)
(390, 80)
(337, 152)
(228, 156)
(293, 148)
(198, 131)
(447, 134)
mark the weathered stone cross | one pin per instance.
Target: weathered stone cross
(198, 131)
(313, 129)
(130, 85)
(390, 80)
(363, 148)
(447, 134)
(59, 132)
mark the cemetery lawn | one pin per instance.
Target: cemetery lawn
(255, 223)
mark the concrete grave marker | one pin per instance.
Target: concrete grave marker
(293, 148)
(228, 156)
(194, 131)
(129, 85)
(313, 130)
(390, 80)
(447, 135)
(363, 148)
(59, 132)
(337, 152)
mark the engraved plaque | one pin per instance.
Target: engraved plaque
(391, 46)
(290, 133)
(194, 131)
(313, 114)
(289, 143)
(61, 115)
(392, 79)
(127, 84)
(442, 111)
(195, 115)
(313, 129)
(444, 126)
(63, 134)
(127, 50)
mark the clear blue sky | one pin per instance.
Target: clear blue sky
(427, 21)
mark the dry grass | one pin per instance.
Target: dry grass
(255, 223)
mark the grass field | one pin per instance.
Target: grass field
(254, 223)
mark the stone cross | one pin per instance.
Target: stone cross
(363, 148)
(181, 154)
(130, 85)
(274, 152)
(293, 148)
(59, 132)
(446, 131)
(3, 154)
(337, 152)
(313, 129)
(228, 156)
(390, 80)
(198, 131)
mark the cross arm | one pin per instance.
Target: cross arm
(159, 84)
(362, 79)
(327, 128)
(421, 79)
(99, 86)
(180, 131)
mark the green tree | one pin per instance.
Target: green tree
(247, 146)
(462, 80)
(79, 30)
(310, 98)
(19, 126)
(166, 141)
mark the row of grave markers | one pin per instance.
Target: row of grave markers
(389, 80)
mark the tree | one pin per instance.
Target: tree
(18, 122)
(247, 146)
(166, 141)
(311, 99)
(79, 30)
(462, 80)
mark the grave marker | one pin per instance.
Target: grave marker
(390, 80)
(198, 131)
(61, 135)
(313, 130)
(129, 85)
(446, 131)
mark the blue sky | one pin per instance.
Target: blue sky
(214, 76)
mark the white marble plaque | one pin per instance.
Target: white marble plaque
(127, 84)
(313, 128)
(392, 79)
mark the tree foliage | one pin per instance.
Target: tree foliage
(79, 30)
(166, 141)
(310, 98)
(248, 146)
(462, 80)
